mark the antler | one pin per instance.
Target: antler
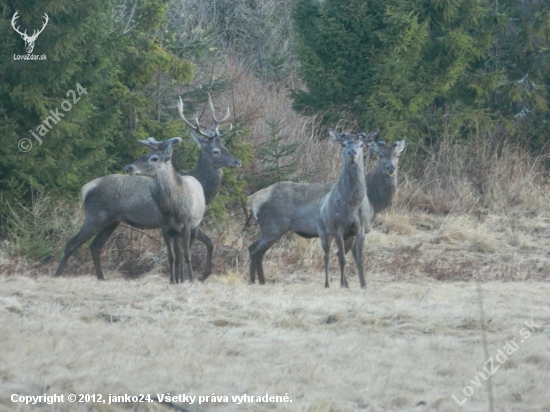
(196, 127)
(216, 121)
(13, 19)
(35, 33)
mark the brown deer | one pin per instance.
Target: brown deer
(180, 200)
(112, 199)
(289, 206)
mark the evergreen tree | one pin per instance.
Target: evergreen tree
(405, 66)
(107, 52)
(384, 61)
(509, 83)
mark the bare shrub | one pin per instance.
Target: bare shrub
(477, 176)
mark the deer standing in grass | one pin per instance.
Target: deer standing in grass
(345, 211)
(289, 206)
(180, 200)
(112, 199)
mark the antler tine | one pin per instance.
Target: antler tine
(196, 128)
(13, 19)
(35, 33)
(219, 136)
(214, 113)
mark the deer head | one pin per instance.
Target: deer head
(209, 140)
(388, 155)
(29, 40)
(352, 144)
(159, 157)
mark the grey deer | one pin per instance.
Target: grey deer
(289, 206)
(345, 212)
(112, 199)
(180, 200)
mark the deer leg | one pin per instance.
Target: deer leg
(253, 257)
(201, 237)
(326, 241)
(88, 230)
(183, 244)
(358, 255)
(168, 240)
(186, 253)
(341, 260)
(96, 247)
(193, 236)
(348, 243)
(260, 266)
(257, 251)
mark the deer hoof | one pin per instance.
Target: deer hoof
(202, 277)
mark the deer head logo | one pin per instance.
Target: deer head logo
(29, 40)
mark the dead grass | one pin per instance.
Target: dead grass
(408, 342)
(412, 247)
(395, 346)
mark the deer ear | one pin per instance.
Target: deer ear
(371, 136)
(399, 146)
(334, 136)
(198, 139)
(170, 142)
(167, 151)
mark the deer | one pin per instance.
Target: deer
(29, 40)
(345, 212)
(180, 200)
(113, 199)
(289, 206)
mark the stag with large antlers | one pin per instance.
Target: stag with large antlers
(29, 40)
(212, 157)
(112, 199)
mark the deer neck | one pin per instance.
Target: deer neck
(165, 189)
(380, 188)
(352, 181)
(208, 176)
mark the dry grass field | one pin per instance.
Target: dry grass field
(408, 342)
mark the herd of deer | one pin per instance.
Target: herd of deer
(153, 195)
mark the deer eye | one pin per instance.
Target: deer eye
(216, 151)
(154, 159)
